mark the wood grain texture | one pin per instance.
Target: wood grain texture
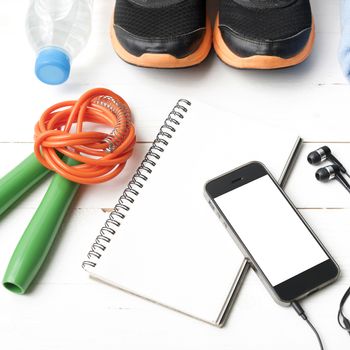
(67, 310)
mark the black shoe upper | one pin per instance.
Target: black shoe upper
(175, 27)
(265, 27)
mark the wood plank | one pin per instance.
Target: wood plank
(89, 314)
(302, 187)
(289, 97)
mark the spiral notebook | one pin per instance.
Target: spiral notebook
(162, 242)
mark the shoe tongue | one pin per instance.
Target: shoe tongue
(155, 3)
(265, 4)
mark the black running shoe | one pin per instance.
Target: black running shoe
(264, 34)
(161, 33)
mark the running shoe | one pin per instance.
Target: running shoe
(161, 33)
(264, 34)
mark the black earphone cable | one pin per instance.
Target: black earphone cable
(300, 311)
(334, 171)
(342, 319)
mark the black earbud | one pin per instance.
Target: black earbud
(322, 154)
(332, 172)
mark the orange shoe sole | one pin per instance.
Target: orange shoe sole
(258, 61)
(154, 60)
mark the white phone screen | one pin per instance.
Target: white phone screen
(272, 232)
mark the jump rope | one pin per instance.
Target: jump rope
(66, 143)
(102, 156)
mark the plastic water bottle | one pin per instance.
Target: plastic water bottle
(58, 30)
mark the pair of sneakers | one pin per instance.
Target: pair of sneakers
(256, 34)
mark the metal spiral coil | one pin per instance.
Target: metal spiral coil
(133, 188)
(116, 136)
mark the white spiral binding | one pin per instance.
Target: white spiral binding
(136, 183)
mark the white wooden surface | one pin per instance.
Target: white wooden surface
(66, 310)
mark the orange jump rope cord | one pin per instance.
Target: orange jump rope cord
(102, 156)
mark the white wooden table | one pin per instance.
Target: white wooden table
(65, 309)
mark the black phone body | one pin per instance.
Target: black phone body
(282, 248)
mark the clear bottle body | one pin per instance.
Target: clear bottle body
(61, 24)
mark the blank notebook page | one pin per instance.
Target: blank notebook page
(171, 248)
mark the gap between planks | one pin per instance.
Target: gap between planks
(109, 210)
(150, 142)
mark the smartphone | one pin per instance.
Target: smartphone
(281, 247)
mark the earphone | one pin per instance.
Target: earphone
(330, 172)
(322, 154)
(334, 171)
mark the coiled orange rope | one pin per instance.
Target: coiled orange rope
(102, 156)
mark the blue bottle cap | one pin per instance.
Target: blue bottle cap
(52, 66)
